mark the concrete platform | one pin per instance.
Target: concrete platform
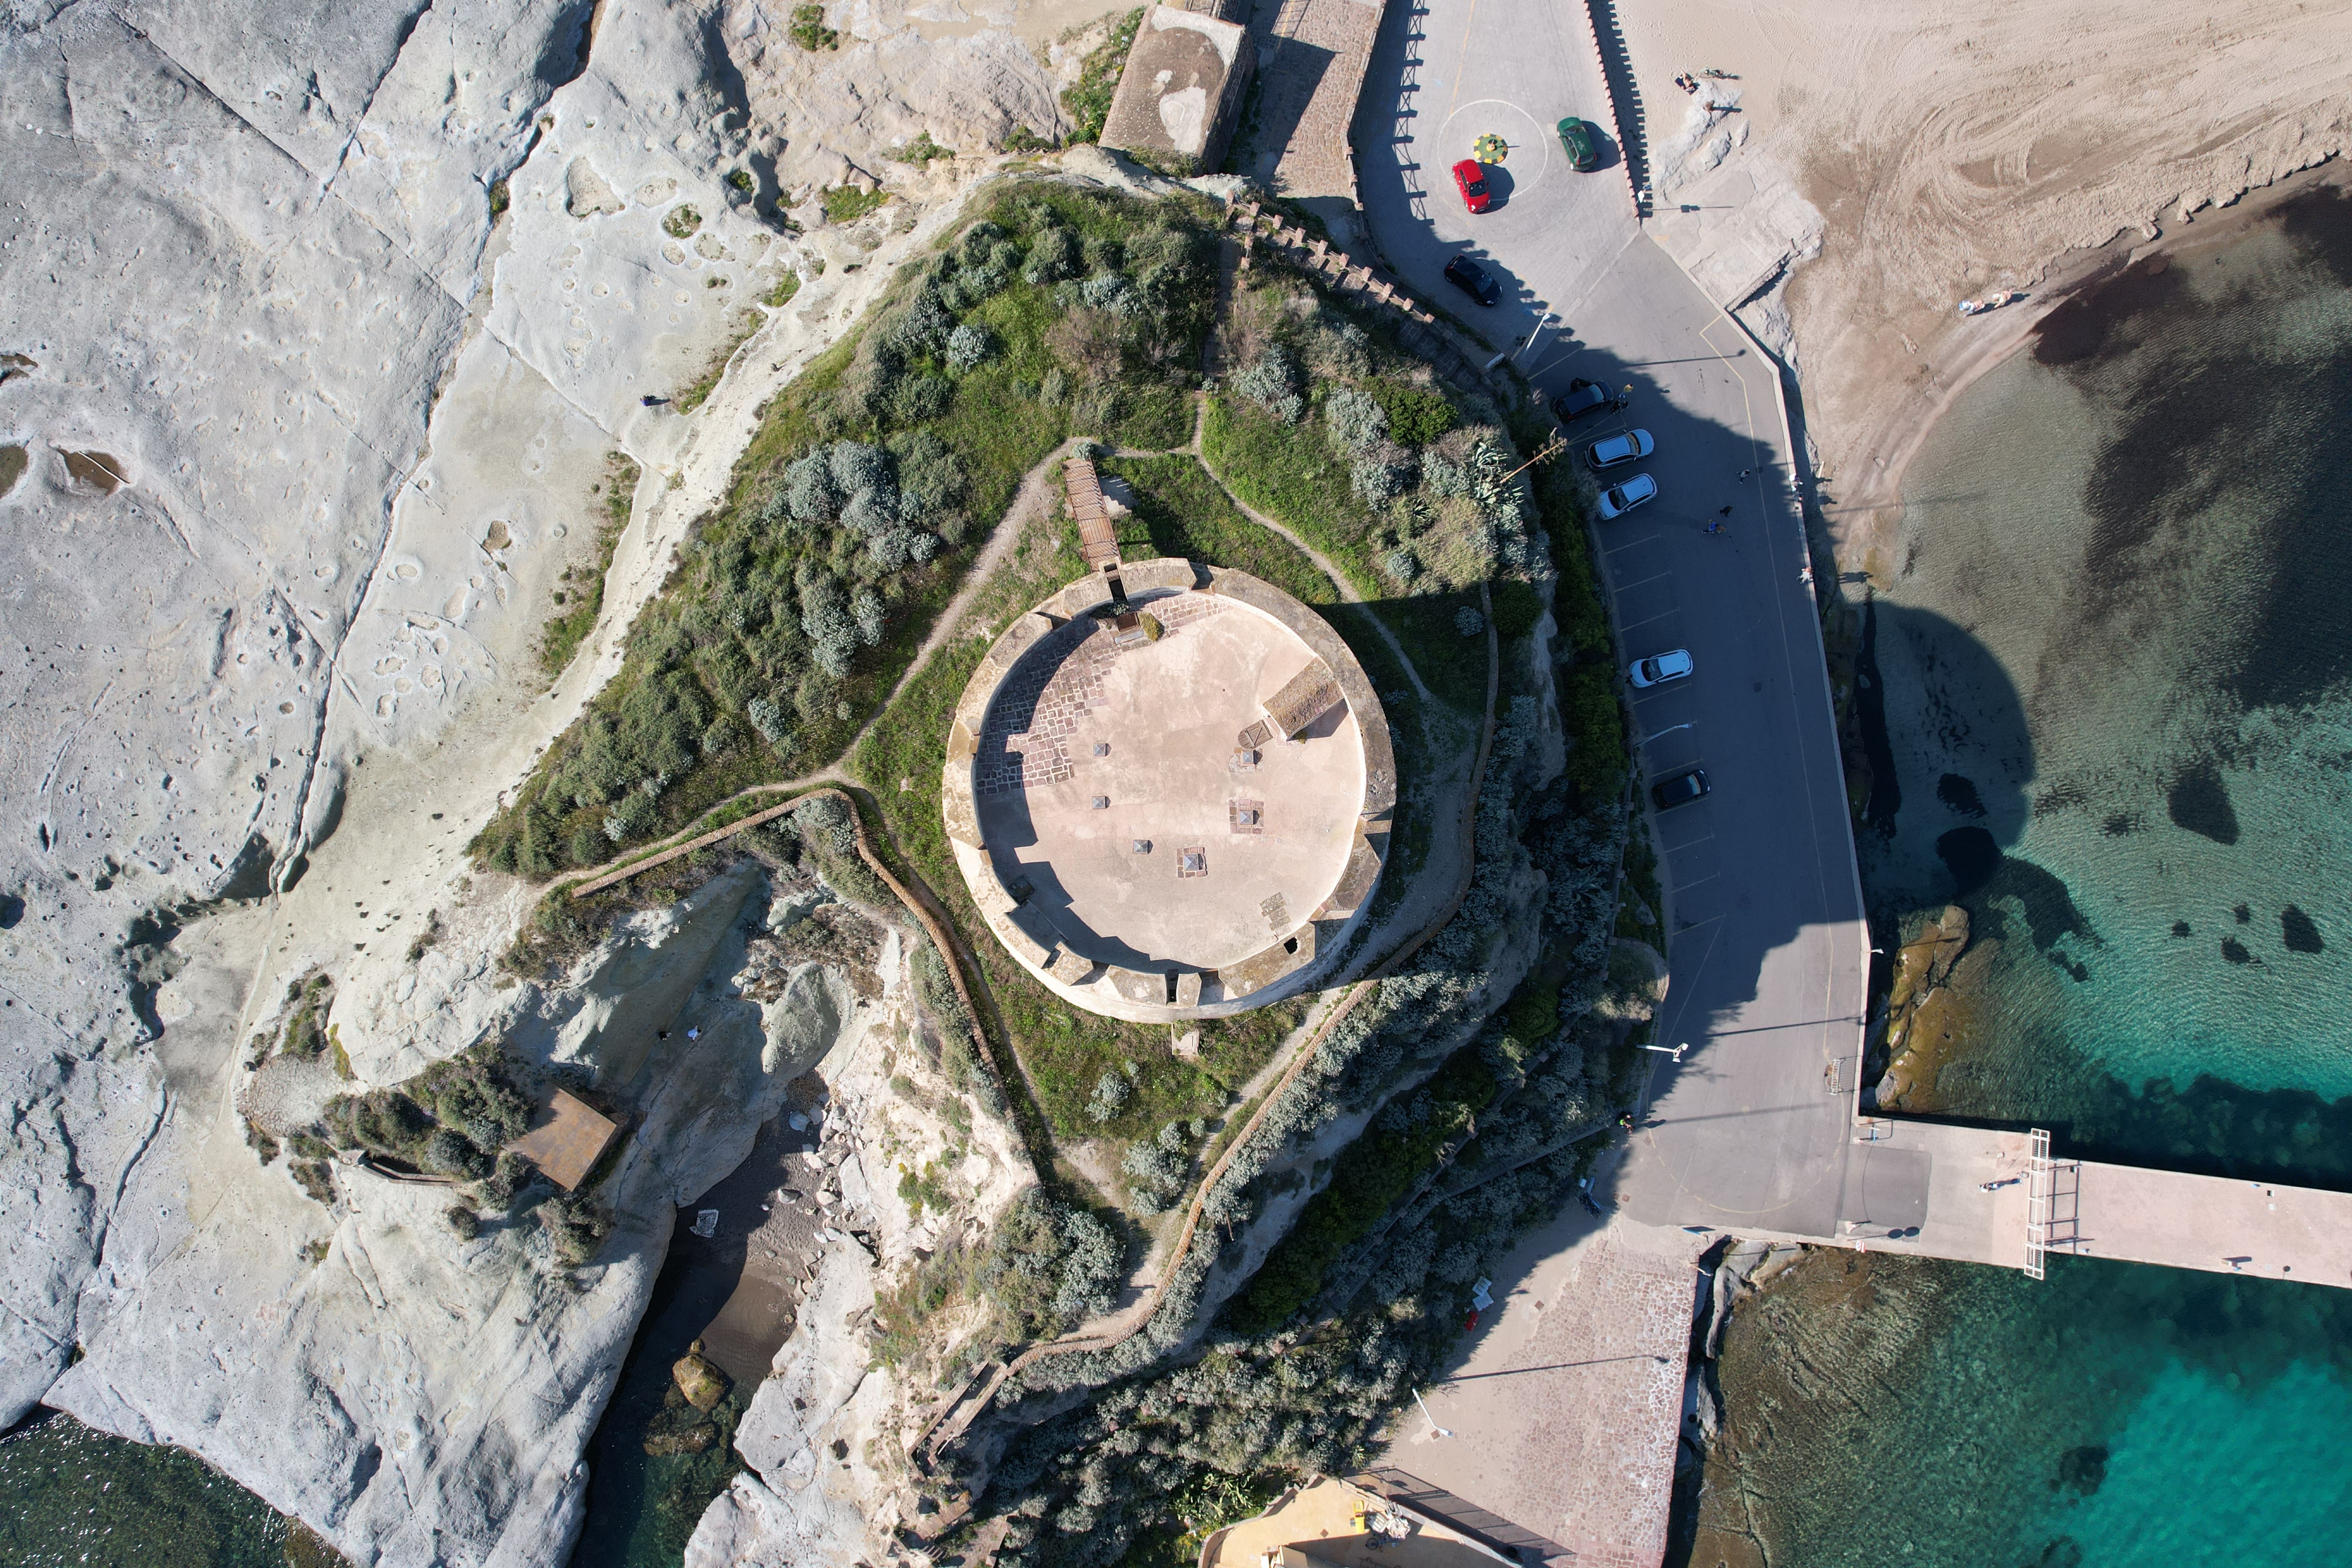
(1921, 1190)
(1563, 1407)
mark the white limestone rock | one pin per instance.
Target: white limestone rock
(413, 1397)
(308, 432)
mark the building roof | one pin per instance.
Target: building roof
(1332, 1524)
(568, 1142)
(1169, 96)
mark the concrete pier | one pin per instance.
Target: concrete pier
(1924, 1174)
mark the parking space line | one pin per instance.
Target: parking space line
(1682, 888)
(1653, 577)
(1646, 539)
(1646, 620)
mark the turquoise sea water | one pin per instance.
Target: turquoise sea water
(2115, 678)
(2114, 1415)
(2109, 711)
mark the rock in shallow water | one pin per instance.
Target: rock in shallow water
(703, 1385)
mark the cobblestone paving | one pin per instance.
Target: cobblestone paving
(1308, 88)
(1026, 738)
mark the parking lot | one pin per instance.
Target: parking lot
(1767, 948)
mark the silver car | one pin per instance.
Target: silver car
(1660, 668)
(1616, 449)
(1619, 499)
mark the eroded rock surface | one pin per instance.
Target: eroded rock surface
(417, 1398)
(318, 335)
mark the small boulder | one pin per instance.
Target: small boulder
(703, 1385)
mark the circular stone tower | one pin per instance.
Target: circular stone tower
(1169, 789)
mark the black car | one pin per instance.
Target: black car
(1583, 397)
(1679, 789)
(1472, 279)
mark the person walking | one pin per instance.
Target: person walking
(1743, 476)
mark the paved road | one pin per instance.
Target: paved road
(1768, 947)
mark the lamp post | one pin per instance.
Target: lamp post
(1676, 1051)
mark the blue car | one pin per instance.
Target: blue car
(1681, 789)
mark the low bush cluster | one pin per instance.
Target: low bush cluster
(959, 1053)
(1411, 482)
(1087, 100)
(451, 1119)
(305, 1034)
(1112, 1091)
(1046, 1266)
(577, 1224)
(809, 31)
(1159, 1169)
(1368, 1179)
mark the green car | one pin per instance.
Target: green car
(1577, 140)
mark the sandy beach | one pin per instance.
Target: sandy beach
(1951, 153)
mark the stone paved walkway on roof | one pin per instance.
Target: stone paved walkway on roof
(1312, 54)
(1025, 739)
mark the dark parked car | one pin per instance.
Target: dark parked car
(1470, 179)
(1472, 279)
(1583, 149)
(1679, 789)
(1583, 397)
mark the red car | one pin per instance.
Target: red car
(1471, 177)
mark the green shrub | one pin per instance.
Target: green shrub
(809, 31)
(582, 599)
(682, 222)
(847, 204)
(1087, 101)
(1417, 415)
(1595, 722)
(1370, 1177)
(576, 1226)
(305, 1035)
(920, 152)
(1518, 609)
(448, 1153)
